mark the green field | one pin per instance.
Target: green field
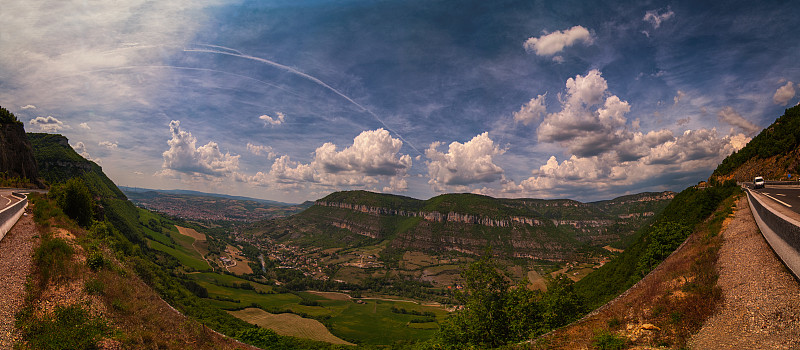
(370, 323)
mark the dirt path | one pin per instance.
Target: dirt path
(761, 308)
(15, 264)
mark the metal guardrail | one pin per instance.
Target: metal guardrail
(781, 232)
(12, 213)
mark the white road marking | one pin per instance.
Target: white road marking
(778, 200)
(8, 199)
(780, 194)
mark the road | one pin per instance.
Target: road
(6, 199)
(788, 197)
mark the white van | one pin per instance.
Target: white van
(758, 182)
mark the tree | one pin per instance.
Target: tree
(75, 200)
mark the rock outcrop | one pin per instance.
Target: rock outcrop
(16, 153)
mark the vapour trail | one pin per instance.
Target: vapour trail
(236, 53)
(178, 68)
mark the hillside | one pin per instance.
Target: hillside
(554, 230)
(209, 207)
(110, 282)
(774, 153)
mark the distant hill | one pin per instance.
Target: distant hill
(774, 153)
(127, 189)
(467, 223)
(209, 207)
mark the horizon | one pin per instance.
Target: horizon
(292, 100)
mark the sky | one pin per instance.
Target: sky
(292, 100)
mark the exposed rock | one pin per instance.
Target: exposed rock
(16, 153)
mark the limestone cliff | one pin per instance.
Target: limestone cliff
(16, 153)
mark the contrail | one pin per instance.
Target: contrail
(236, 53)
(179, 68)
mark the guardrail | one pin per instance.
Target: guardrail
(781, 232)
(12, 213)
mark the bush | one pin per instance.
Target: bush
(605, 340)
(53, 258)
(94, 287)
(72, 327)
(95, 261)
(74, 198)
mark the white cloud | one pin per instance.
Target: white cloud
(278, 120)
(48, 124)
(183, 157)
(532, 111)
(784, 94)
(261, 150)
(81, 149)
(730, 116)
(656, 17)
(589, 122)
(108, 144)
(28, 107)
(374, 152)
(555, 42)
(464, 164)
(373, 158)
(85, 126)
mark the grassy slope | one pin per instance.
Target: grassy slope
(132, 236)
(689, 208)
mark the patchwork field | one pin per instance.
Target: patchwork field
(289, 324)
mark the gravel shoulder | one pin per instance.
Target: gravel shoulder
(761, 307)
(16, 250)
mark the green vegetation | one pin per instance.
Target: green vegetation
(654, 243)
(6, 117)
(780, 137)
(605, 340)
(75, 201)
(495, 314)
(72, 327)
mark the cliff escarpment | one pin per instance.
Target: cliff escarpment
(467, 223)
(16, 153)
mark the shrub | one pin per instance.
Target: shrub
(94, 287)
(72, 327)
(52, 257)
(605, 340)
(74, 198)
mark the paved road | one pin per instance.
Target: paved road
(6, 199)
(788, 197)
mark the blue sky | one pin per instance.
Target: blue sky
(291, 100)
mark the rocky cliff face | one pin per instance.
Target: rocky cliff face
(16, 153)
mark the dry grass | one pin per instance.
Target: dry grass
(666, 307)
(289, 324)
(191, 233)
(137, 316)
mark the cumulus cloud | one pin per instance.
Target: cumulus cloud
(590, 119)
(555, 42)
(730, 116)
(784, 94)
(184, 157)
(373, 158)
(81, 149)
(374, 152)
(606, 154)
(261, 150)
(48, 124)
(532, 111)
(28, 107)
(656, 17)
(463, 164)
(108, 144)
(85, 126)
(278, 120)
